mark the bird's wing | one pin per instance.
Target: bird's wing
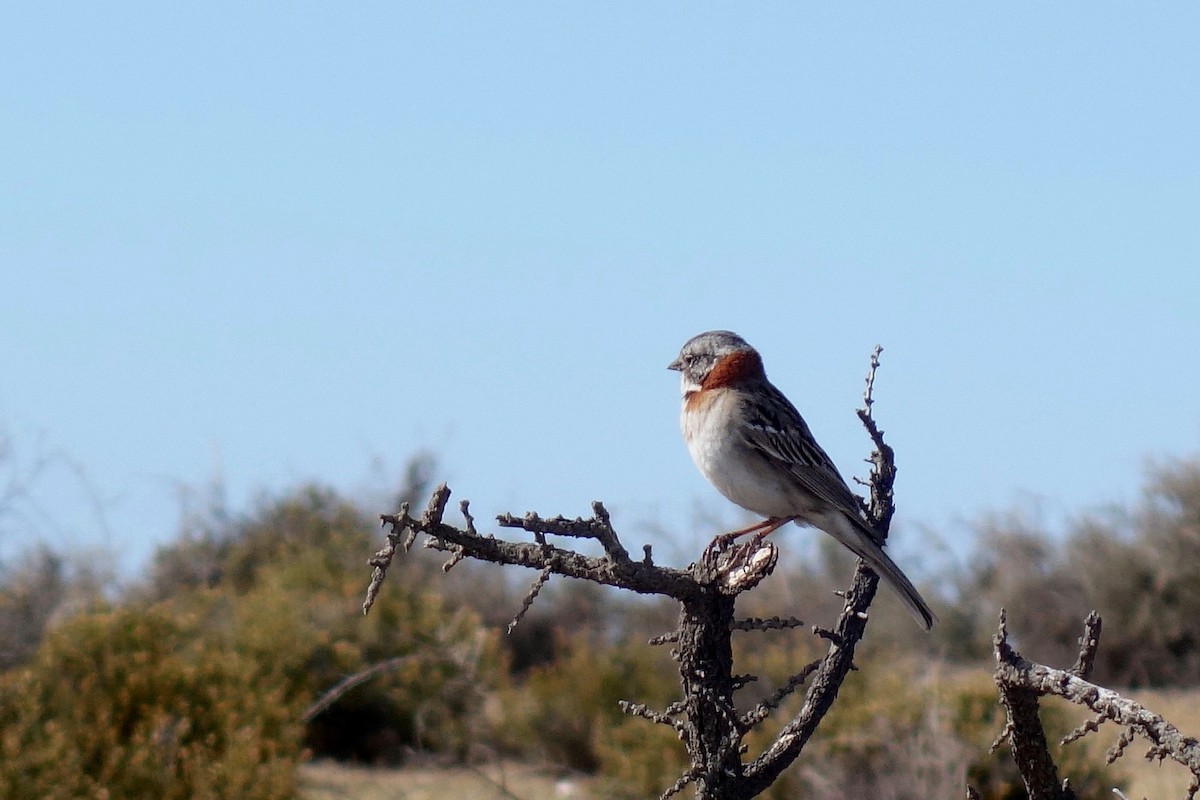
(777, 431)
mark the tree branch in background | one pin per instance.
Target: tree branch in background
(464, 657)
(705, 718)
(1022, 682)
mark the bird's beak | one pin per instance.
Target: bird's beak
(676, 365)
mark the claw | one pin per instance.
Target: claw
(760, 529)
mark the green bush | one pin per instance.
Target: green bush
(137, 703)
(286, 583)
(566, 712)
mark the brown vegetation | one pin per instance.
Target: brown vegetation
(198, 676)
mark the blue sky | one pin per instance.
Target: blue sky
(283, 242)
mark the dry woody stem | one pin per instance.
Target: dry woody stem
(1021, 682)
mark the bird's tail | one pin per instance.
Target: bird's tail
(858, 537)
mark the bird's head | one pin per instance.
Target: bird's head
(714, 359)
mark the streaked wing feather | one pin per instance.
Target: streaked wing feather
(788, 441)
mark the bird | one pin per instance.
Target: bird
(753, 446)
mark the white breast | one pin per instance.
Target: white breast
(715, 447)
(706, 430)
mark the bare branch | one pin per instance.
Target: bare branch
(1025, 733)
(851, 623)
(1021, 682)
(381, 561)
(460, 656)
(644, 711)
(432, 518)
(456, 555)
(534, 588)
(869, 391)
(599, 527)
(881, 507)
(1118, 749)
(615, 570)
(1088, 644)
(678, 786)
(743, 680)
(349, 682)
(822, 692)
(768, 624)
(1001, 737)
(764, 708)
(1089, 726)
(464, 507)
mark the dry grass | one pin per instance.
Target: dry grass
(498, 781)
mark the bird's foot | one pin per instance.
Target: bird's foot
(760, 530)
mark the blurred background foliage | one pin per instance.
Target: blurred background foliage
(192, 681)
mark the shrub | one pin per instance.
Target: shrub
(135, 703)
(1137, 567)
(286, 583)
(567, 711)
(39, 586)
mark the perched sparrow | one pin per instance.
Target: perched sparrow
(755, 448)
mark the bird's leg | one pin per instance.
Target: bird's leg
(767, 529)
(760, 530)
(770, 523)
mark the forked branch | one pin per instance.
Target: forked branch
(706, 718)
(1021, 682)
